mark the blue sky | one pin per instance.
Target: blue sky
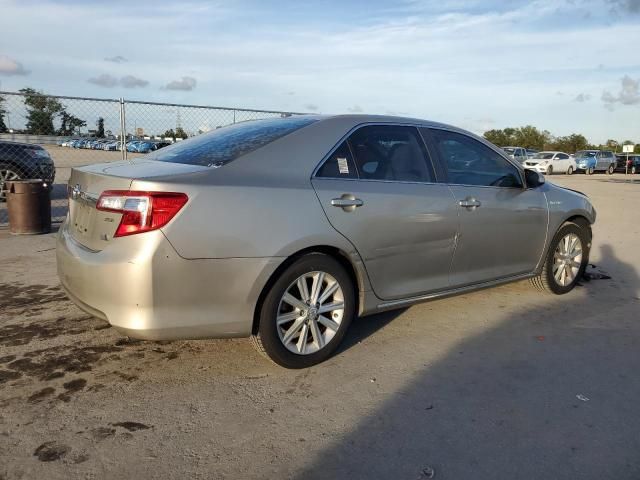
(566, 66)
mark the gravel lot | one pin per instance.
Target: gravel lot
(499, 384)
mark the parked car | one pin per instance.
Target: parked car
(628, 165)
(132, 146)
(145, 147)
(112, 146)
(285, 229)
(590, 161)
(24, 161)
(519, 154)
(531, 152)
(551, 162)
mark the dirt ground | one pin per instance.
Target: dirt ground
(499, 384)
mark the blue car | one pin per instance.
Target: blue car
(146, 147)
(589, 161)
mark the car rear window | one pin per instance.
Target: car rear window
(214, 149)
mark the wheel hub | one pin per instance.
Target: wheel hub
(310, 312)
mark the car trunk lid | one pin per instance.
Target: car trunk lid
(93, 228)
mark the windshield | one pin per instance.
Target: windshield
(228, 143)
(543, 156)
(585, 154)
(509, 150)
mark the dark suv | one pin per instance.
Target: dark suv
(633, 164)
(20, 161)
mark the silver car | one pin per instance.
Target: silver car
(284, 230)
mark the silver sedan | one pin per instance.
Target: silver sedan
(284, 230)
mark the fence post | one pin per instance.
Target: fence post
(123, 129)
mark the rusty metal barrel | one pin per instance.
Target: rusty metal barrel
(29, 206)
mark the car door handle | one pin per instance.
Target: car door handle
(347, 202)
(470, 203)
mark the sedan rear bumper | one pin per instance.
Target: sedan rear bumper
(142, 287)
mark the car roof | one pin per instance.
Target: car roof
(19, 144)
(294, 156)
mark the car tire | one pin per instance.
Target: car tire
(549, 170)
(552, 279)
(633, 170)
(7, 173)
(570, 171)
(610, 170)
(589, 171)
(299, 336)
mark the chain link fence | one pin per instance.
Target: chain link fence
(45, 136)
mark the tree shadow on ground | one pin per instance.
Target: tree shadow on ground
(551, 392)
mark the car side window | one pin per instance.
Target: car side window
(391, 152)
(339, 164)
(562, 156)
(469, 162)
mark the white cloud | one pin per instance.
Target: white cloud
(109, 81)
(116, 59)
(582, 97)
(129, 81)
(629, 93)
(104, 80)
(355, 109)
(186, 84)
(311, 106)
(9, 66)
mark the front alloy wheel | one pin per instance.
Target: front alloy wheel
(566, 259)
(611, 169)
(570, 170)
(305, 312)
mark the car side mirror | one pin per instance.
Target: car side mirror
(533, 178)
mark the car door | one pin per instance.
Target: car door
(503, 226)
(563, 162)
(378, 189)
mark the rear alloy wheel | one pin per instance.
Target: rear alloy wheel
(566, 260)
(589, 171)
(7, 174)
(306, 312)
(570, 170)
(549, 170)
(610, 170)
(633, 170)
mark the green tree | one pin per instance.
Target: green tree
(530, 137)
(69, 123)
(170, 133)
(527, 137)
(180, 133)
(100, 128)
(570, 143)
(498, 137)
(41, 110)
(612, 144)
(3, 127)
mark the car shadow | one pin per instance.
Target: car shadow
(363, 327)
(548, 392)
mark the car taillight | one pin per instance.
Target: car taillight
(141, 211)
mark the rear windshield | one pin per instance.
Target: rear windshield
(214, 149)
(585, 154)
(543, 156)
